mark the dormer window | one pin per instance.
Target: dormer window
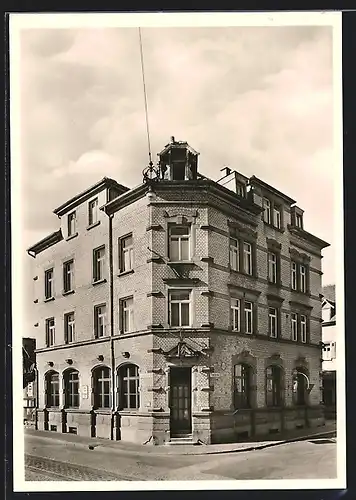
(240, 189)
(297, 217)
(299, 221)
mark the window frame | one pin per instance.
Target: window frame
(99, 383)
(277, 221)
(188, 301)
(235, 311)
(93, 212)
(244, 396)
(234, 253)
(71, 224)
(125, 395)
(97, 316)
(273, 317)
(180, 238)
(274, 397)
(71, 389)
(126, 312)
(302, 278)
(303, 334)
(126, 250)
(69, 326)
(49, 283)
(294, 322)
(50, 331)
(249, 259)
(68, 271)
(248, 311)
(52, 395)
(272, 267)
(267, 210)
(99, 264)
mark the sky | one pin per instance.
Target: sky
(256, 99)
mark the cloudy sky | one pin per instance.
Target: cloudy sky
(259, 99)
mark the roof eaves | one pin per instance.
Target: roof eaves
(46, 242)
(256, 180)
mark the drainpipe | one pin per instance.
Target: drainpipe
(112, 331)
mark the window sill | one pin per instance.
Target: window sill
(93, 225)
(71, 236)
(69, 292)
(124, 273)
(243, 273)
(49, 299)
(276, 284)
(98, 282)
(182, 262)
(180, 327)
(280, 229)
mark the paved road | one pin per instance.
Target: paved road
(47, 460)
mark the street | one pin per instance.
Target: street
(51, 460)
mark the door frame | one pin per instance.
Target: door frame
(188, 370)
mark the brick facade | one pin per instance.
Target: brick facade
(211, 347)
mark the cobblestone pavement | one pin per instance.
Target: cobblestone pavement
(45, 469)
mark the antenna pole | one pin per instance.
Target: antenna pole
(145, 97)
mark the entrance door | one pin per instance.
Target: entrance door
(180, 401)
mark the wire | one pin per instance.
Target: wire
(145, 96)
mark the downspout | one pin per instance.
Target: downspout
(112, 330)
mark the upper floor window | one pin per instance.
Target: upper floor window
(274, 386)
(294, 326)
(273, 322)
(179, 243)
(179, 307)
(267, 215)
(303, 278)
(303, 328)
(241, 189)
(248, 310)
(247, 260)
(69, 327)
(93, 212)
(329, 351)
(52, 389)
(71, 388)
(126, 314)
(272, 267)
(242, 386)
(71, 224)
(99, 320)
(98, 263)
(236, 314)
(129, 381)
(68, 276)
(50, 332)
(126, 253)
(234, 254)
(294, 275)
(102, 387)
(299, 221)
(277, 217)
(49, 282)
(299, 277)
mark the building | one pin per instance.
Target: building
(29, 380)
(329, 349)
(181, 308)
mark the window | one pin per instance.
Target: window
(299, 221)
(303, 328)
(235, 312)
(179, 307)
(99, 320)
(242, 386)
(71, 389)
(294, 326)
(98, 264)
(102, 387)
(267, 211)
(240, 189)
(50, 332)
(52, 389)
(329, 351)
(274, 386)
(93, 212)
(49, 284)
(126, 253)
(277, 217)
(294, 281)
(126, 313)
(272, 267)
(69, 327)
(179, 243)
(303, 279)
(234, 254)
(273, 322)
(248, 308)
(247, 258)
(300, 386)
(68, 275)
(71, 224)
(129, 381)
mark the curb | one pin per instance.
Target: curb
(113, 448)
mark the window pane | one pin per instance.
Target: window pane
(185, 314)
(133, 401)
(185, 249)
(175, 314)
(180, 230)
(174, 249)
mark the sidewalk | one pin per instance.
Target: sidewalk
(328, 430)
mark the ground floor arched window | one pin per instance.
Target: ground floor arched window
(71, 388)
(274, 386)
(128, 387)
(242, 386)
(102, 387)
(52, 389)
(300, 386)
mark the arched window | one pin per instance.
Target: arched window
(274, 385)
(52, 390)
(128, 384)
(71, 388)
(242, 386)
(300, 386)
(102, 387)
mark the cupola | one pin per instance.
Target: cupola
(178, 162)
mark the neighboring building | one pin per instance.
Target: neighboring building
(178, 308)
(329, 349)
(29, 380)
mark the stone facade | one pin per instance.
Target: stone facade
(207, 347)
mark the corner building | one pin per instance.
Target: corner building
(180, 309)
